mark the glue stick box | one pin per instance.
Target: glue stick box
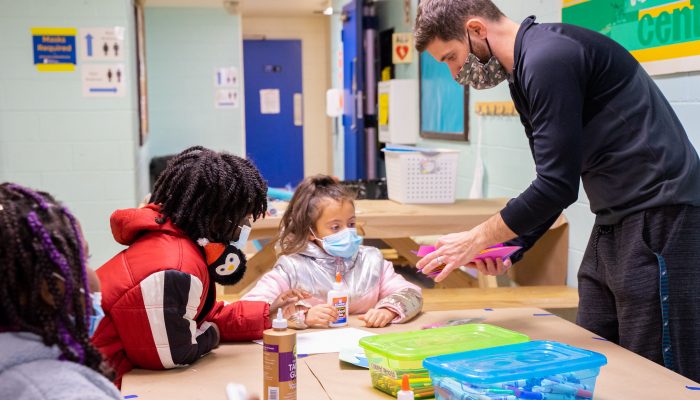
(280, 361)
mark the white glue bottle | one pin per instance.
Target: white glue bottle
(405, 393)
(339, 298)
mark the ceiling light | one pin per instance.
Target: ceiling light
(328, 11)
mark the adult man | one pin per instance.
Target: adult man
(590, 111)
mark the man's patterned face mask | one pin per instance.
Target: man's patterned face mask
(479, 75)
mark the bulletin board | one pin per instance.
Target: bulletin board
(444, 104)
(663, 35)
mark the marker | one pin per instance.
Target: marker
(549, 386)
(549, 381)
(520, 383)
(475, 396)
(479, 390)
(524, 394)
(500, 391)
(557, 396)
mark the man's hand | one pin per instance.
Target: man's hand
(459, 249)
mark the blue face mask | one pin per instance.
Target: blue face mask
(343, 244)
(97, 313)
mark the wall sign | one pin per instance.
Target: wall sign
(54, 49)
(102, 44)
(663, 35)
(103, 80)
(402, 48)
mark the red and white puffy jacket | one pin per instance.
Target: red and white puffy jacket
(158, 299)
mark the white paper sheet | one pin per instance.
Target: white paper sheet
(269, 101)
(328, 341)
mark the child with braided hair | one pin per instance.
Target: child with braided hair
(46, 308)
(158, 295)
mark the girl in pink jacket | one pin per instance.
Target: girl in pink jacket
(318, 239)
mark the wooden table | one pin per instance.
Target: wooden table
(548, 297)
(396, 223)
(322, 376)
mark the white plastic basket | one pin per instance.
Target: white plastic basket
(420, 175)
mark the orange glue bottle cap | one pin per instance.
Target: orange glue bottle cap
(405, 393)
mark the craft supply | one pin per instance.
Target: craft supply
(236, 391)
(498, 251)
(405, 393)
(279, 361)
(328, 341)
(339, 298)
(392, 355)
(279, 194)
(454, 322)
(537, 370)
(353, 355)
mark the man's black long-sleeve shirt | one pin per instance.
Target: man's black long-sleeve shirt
(591, 111)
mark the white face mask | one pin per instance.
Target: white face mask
(242, 237)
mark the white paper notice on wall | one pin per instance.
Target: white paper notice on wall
(269, 101)
(227, 98)
(103, 80)
(226, 77)
(298, 109)
(334, 102)
(102, 44)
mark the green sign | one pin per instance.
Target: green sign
(662, 34)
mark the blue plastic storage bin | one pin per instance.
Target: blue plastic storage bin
(537, 370)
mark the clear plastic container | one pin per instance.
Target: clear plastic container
(392, 355)
(536, 370)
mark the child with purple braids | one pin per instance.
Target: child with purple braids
(46, 309)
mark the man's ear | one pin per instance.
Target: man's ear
(476, 27)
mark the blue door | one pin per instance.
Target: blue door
(273, 123)
(353, 84)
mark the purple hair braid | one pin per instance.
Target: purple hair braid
(30, 193)
(55, 256)
(72, 344)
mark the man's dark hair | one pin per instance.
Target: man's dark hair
(444, 19)
(208, 194)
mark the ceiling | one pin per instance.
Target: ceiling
(253, 7)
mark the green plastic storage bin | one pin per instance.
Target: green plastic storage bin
(392, 355)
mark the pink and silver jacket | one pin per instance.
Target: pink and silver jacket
(369, 278)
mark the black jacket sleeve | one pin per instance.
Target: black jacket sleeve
(553, 84)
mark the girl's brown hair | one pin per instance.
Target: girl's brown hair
(305, 208)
